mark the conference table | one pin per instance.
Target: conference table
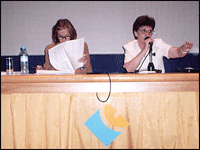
(107, 111)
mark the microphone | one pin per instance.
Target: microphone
(150, 43)
(150, 66)
(150, 54)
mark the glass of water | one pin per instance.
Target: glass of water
(9, 65)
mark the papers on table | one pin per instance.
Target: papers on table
(146, 72)
(52, 72)
(3, 73)
(14, 73)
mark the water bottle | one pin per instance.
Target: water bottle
(24, 60)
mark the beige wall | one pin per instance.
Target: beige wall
(106, 25)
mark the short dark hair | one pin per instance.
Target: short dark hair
(143, 21)
(62, 24)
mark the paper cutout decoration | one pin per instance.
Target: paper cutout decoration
(117, 122)
(100, 130)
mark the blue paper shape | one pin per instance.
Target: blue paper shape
(100, 130)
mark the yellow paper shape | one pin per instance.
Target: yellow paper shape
(117, 122)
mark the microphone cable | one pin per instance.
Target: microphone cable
(103, 101)
(142, 63)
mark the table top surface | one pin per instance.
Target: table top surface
(128, 77)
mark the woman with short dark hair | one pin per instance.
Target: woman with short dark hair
(136, 51)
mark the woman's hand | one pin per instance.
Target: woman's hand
(187, 46)
(80, 71)
(147, 41)
(39, 67)
(46, 66)
(84, 59)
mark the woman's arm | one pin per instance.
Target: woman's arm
(175, 52)
(86, 62)
(132, 65)
(47, 65)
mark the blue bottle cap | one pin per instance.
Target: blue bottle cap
(23, 48)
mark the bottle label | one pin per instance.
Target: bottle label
(24, 58)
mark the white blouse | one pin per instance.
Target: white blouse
(160, 48)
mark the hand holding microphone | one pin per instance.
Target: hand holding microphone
(150, 41)
(150, 67)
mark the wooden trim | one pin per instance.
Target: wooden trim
(100, 78)
(100, 83)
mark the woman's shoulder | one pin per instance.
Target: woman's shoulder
(86, 49)
(50, 46)
(85, 44)
(158, 40)
(131, 42)
(130, 45)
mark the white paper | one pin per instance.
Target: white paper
(14, 73)
(64, 57)
(52, 72)
(3, 73)
(144, 71)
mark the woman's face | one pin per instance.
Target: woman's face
(63, 35)
(143, 32)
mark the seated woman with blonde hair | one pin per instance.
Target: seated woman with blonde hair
(63, 31)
